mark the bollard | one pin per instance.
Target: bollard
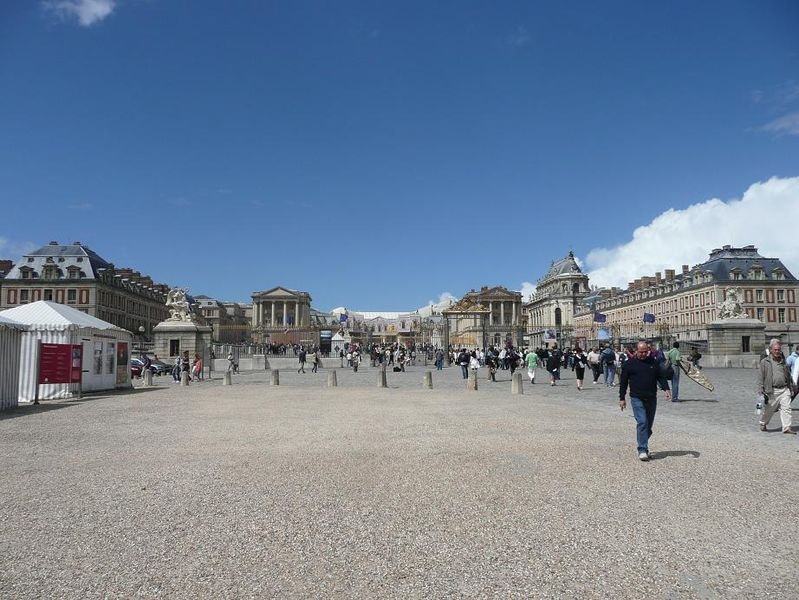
(331, 379)
(147, 378)
(228, 379)
(381, 378)
(275, 377)
(184, 378)
(428, 380)
(516, 384)
(471, 383)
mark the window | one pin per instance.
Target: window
(48, 295)
(759, 295)
(745, 343)
(72, 296)
(760, 313)
(26, 274)
(23, 296)
(780, 295)
(780, 315)
(736, 276)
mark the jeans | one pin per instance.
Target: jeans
(465, 371)
(610, 374)
(644, 411)
(675, 384)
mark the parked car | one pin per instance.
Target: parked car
(159, 367)
(135, 367)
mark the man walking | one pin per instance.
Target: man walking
(643, 374)
(609, 362)
(302, 357)
(674, 357)
(774, 381)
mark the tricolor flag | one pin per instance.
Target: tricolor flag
(649, 317)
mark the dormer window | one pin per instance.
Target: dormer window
(778, 274)
(50, 272)
(26, 272)
(735, 274)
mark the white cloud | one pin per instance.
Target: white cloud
(443, 297)
(785, 125)
(762, 216)
(14, 249)
(87, 12)
(528, 289)
(520, 37)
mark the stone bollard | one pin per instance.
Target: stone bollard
(275, 377)
(227, 379)
(147, 378)
(331, 379)
(381, 378)
(428, 380)
(184, 378)
(516, 384)
(471, 382)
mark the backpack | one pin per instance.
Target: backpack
(609, 357)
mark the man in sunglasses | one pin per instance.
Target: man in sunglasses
(643, 374)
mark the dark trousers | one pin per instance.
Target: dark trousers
(644, 411)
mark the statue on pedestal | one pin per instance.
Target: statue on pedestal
(179, 307)
(731, 307)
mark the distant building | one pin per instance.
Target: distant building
(74, 274)
(230, 321)
(683, 304)
(5, 267)
(282, 315)
(549, 315)
(490, 316)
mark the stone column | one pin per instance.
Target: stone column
(513, 317)
(285, 304)
(296, 313)
(272, 321)
(502, 313)
(491, 314)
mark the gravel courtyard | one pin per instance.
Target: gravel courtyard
(305, 491)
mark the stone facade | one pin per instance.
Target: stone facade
(686, 303)
(549, 315)
(282, 315)
(74, 274)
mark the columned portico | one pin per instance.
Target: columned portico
(281, 309)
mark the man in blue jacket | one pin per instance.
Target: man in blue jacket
(643, 374)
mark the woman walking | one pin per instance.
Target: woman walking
(580, 361)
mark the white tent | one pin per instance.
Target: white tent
(10, 344)
(106, 348)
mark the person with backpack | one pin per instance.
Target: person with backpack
(463, 361)
(609, 365)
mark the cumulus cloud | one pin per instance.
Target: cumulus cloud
(762, 217)
(785, 125)
(528, 289)
(87, 12)
(442, 298)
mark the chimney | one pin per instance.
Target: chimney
(658, 278)
(669, 274)
(685, 269)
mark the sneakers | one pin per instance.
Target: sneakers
(763, 427)
(789, 431)
(643, 456)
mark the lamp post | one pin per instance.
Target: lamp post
(141, 338)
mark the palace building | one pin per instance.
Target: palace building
(74, 274)
(684, 303)
(550, 312)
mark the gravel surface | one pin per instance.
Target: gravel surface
(304, 491)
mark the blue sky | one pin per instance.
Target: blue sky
(378, 155)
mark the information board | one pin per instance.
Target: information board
(60, 363)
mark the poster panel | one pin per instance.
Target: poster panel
(122, 363)
(60, 363)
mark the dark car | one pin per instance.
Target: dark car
(159, 367)
(135, 367)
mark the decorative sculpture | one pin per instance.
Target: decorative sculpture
(731, 307)
(179, 307)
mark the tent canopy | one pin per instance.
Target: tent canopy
(51, 314)
(11, 324)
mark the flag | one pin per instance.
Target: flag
(342, 318)
(600, 318)
(649, 317)
(603, 333)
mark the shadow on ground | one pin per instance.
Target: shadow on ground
(668, 453)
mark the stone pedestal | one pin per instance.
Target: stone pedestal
(428, 380)
(189, 336)
(725, 343)
(516, 384)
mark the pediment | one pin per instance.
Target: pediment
(278, 293)
(466, 306)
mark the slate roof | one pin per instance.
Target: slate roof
(722, 261)
(564, 266)
(63, 256)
